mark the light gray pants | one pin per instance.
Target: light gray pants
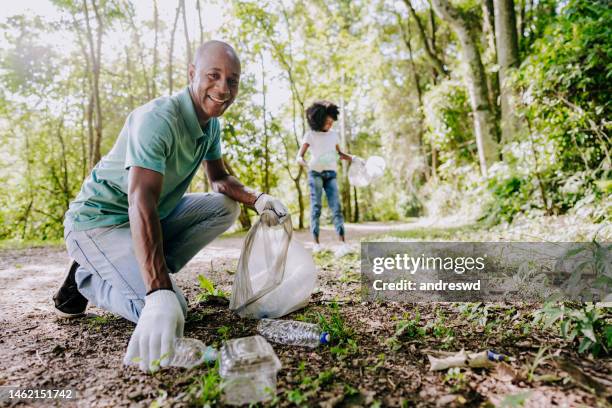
(109, 275)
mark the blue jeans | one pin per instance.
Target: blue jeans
(319, 181)
(109, 275)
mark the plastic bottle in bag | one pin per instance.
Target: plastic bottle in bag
(248, 368)
(292, 332)
(276, 275)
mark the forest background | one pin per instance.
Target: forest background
(492, 110)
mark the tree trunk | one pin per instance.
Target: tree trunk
(488, 28)
(171, 49)
(199, 8)
(484, 119)
(429, 53)
(355, 206)
(298, 188)
(415, 75)
(243, 218)
(266, 183)
(95, 49)
(507, 55)
(187, 42)
(155, 51)
(128, 73)
(346, 187)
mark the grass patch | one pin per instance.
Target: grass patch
(429, 233)
(99, 321)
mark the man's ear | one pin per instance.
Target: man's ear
(191, 72)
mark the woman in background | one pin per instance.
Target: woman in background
(324, 147)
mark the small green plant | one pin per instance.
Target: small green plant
(224, 332)
(338, 330)
(308, 386)
(441, 330)
(205, 390)
(406, 329)
(209, 290)
(539, 358)
(587, 326)
(456, 379)
(595, 258)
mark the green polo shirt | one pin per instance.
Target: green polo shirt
(164, 136)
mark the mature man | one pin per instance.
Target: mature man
(132, 225)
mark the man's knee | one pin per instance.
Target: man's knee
(228, 209)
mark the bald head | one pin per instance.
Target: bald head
(214, 77)
(215, 48)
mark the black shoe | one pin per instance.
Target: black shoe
(68, 300)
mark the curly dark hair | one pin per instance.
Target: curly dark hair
(318, 111)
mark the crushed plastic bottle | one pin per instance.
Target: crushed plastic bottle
(189, 353)
(292, 332)
(248, 368)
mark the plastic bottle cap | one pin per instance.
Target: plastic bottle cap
(324, 339)
(492, 355)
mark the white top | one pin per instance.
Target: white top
(322, 150)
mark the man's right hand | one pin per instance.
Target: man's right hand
(161, 322)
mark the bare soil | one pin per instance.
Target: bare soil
(375, 369)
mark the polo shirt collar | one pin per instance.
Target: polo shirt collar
(189, 114)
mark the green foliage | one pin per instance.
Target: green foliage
(509, 194)
(456, 379)
(594, 258)
(340, 334)
(306, 386)
(588, 326)
(205, 389)
(208, 290)
(448, 127)
(406, 329)
(562, 157)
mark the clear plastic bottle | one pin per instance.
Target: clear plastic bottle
(292, 332)
(189, 353)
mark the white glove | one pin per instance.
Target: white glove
(358, 160)
(300, 160)
(267, 202)
(161, 322)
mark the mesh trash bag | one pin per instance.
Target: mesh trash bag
(358, 175)
(375, 167)
(276, 275)
(361, 174)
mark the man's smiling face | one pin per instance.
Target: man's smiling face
(214, 80)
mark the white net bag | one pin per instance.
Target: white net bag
(358, 175)
(275, 275)
(361, 174)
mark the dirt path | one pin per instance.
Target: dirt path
(38, 351)
(29, 277)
